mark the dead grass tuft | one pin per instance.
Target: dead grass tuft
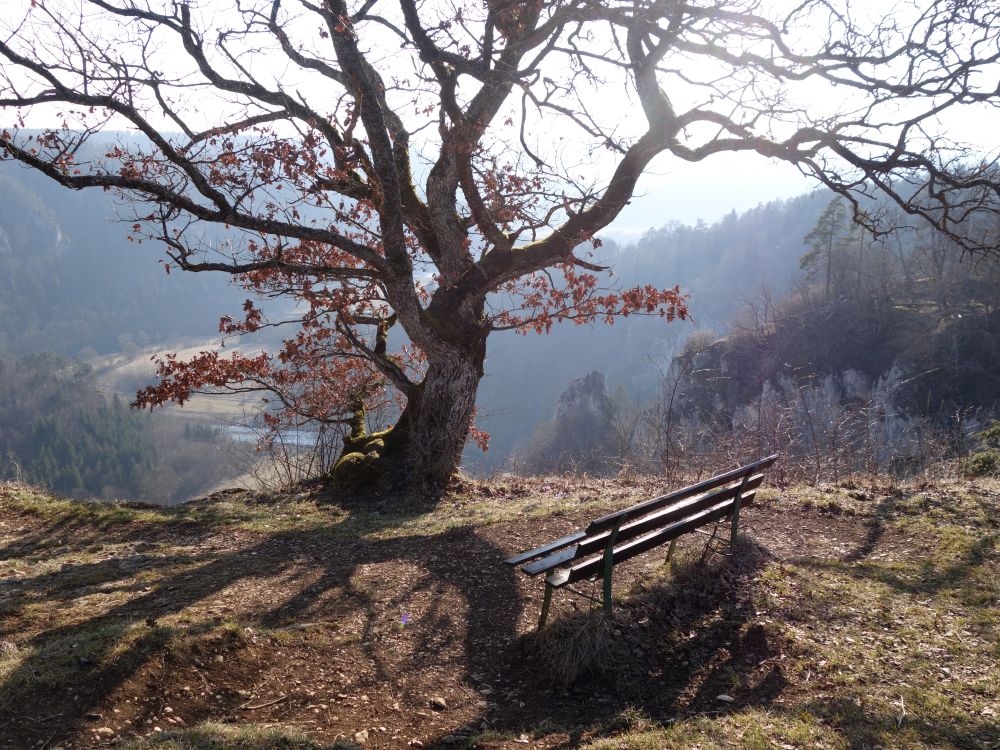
(574, 645)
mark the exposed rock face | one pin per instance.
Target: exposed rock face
(578, 437)
(586, 398)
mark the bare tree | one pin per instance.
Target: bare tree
(304, 126)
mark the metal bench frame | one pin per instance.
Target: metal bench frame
(631, 531)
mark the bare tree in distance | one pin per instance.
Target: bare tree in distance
(305, 126)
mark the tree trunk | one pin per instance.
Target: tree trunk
(438, 419)
(420, 453)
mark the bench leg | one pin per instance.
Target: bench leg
(609, 564)
(734, 525)
(607, 592)
(735, 520)
(545, 605)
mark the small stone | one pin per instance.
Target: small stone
(416, 743)
(438, 703)
(218, 658)
(168, 710)
(361, 737)
(725, 698)
(106, 731)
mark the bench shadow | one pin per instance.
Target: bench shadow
(672, 647)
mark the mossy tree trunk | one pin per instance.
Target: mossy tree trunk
(421, 452)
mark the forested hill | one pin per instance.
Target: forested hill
(883, 354)
(71, 281)
(721, 266)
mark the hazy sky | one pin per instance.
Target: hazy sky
(672, 189)
(676, 190)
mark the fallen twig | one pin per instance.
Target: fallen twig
(245, 707)
(42, 719)
(203, 679)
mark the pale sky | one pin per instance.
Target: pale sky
(676, 190)
(672, 189)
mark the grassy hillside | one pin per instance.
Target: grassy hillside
(852, 618)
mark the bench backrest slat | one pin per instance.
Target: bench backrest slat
(607, 522)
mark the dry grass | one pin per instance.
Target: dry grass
(212, 736)
(587, 642)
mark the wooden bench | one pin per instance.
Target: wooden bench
(594, 551)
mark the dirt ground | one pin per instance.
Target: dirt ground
(367, 628)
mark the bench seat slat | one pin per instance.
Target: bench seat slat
(592, 544)
(588, 568)
(546, 548)
(608, 521)
(563, 556)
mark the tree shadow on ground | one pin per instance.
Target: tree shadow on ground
(886, 508)
(927, 577)
(67, 671)
(975, 510)
(939, 565)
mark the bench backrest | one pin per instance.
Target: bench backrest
(677, 496)
(642, 527)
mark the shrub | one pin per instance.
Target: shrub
(981, 463)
